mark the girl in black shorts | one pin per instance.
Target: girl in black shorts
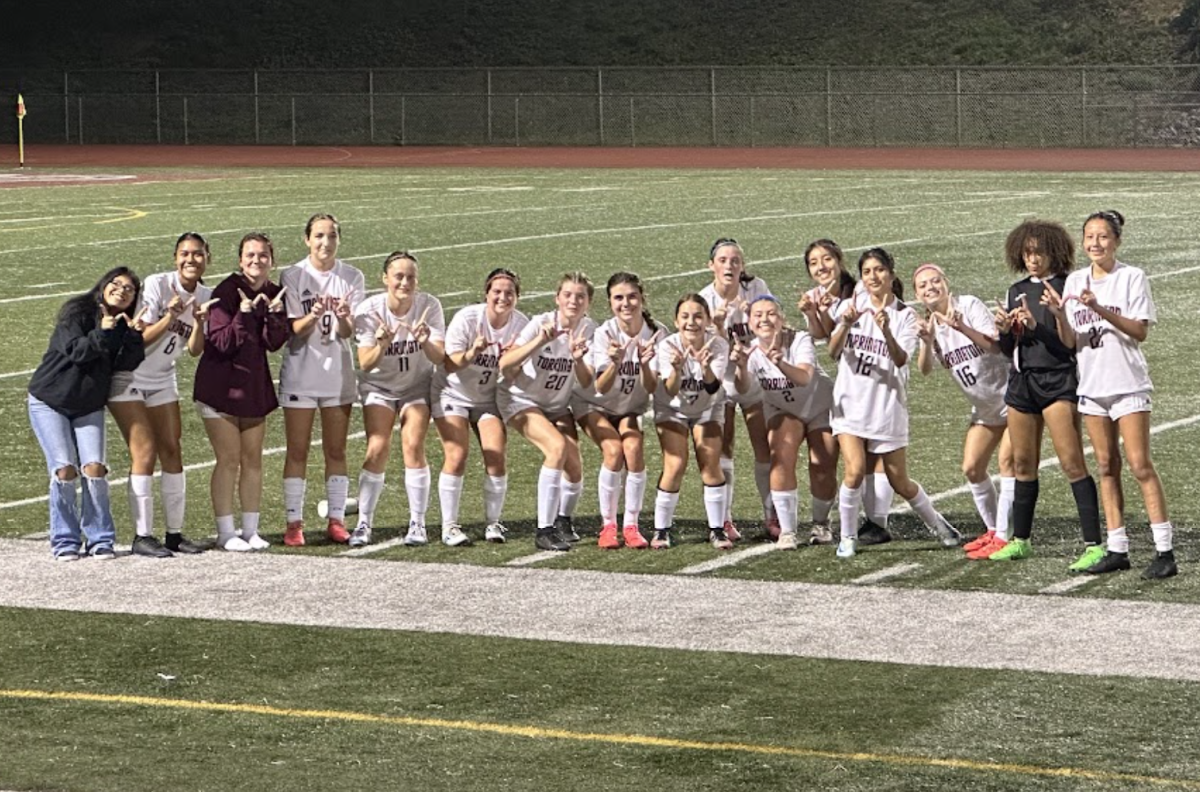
(1041, 386)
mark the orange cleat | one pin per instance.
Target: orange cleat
(608, 537)
(294, 535)
(979, 541)
(336, 531)
(634, 538)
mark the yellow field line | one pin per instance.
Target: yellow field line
(129, 214)
(636, 740)
(133, 214)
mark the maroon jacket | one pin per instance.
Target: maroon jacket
(234, 375)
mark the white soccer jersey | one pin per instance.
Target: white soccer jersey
(157, 371)
(870, 395)
(319, 364)
(982, 375)
(626, 396)
(692, 400)
(403, 368)
(737, 320)
(547, 378)
(1110, 362)
(476, 384)
(779, 391)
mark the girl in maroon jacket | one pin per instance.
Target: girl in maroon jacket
(234, 392)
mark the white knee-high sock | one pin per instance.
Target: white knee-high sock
(664, 509)
(635, 496)
(714, 506)
(924, 509)
(762, 481)
(1163, 536)
(495, 488)
(984, 493)
(293, 498)
(336, 490)
(569, 494)
(606, 490)
(881, 500)
(1004, 505)
(141, 504)
(370, 488)
(849, 501)
(786, 503)
(416, 484)
(450, 489)
(1118, 540)
(727, 470)
(549, 493)
(174, 500)
(249, 525)
(821, 509)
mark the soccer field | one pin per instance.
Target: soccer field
(831, 720)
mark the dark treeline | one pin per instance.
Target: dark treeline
(382, 33)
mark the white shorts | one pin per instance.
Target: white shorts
(714, 414)
(990, 415)
(208, 413)
(445, 405)
(397, 404)
(152, 398)
(875, 446)
(816, 420)
(297, 402)
(750, 398)
(511, 405)
(1115, 407)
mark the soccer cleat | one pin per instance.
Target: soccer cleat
(234, 544)
(984, 552)
(1163, 566)
(1111, 562)
(1091, 556)
(336, 531)
(178, 543)
(946, 533)
(821, 535)
(662, 540)
(361, 536)
(731, 531)
(150, 547)
(416, 535)
(979, 541)
(103, 553)
(847, 547)
(67, 555)
(787, 541)
(565, 529)
(453, 536)
(872, 533)
(1016, 549)
(772, 526)
(633, 538)
(495, 532)
(548, 539)
(256, 543)
(293, 535)
(608, 537)
(718, 538)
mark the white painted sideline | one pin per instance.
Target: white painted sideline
(534, 558)
(1062, 587)
(395, 541)
(886, 574)
(728, 559)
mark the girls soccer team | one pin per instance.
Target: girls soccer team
(1064, 343)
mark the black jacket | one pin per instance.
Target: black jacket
(77, 370)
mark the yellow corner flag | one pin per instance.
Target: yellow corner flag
(21, 130)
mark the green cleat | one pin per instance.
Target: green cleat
(1091, 556)
(1015, 550)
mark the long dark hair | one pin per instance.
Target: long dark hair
(846, 282)
(884, 258)
(88, 303)
(619, 278)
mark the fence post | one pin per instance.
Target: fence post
(256, 127)
(517, 119)
(712, 93)
(1083, 104)
(600, 103)
(752, 121)
(293, 120)
(185, 122)
(66, 107)
(958, 107)
(632, 130)
(828, 106)
(489, 107)
(403, 120)
(371, 103)
(158, 108)
(79, 120)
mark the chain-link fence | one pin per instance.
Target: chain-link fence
(1121, 106)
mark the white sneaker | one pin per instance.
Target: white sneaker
(234, 544)
(361, 536)
(256, 542)
(453, 536)
(416, 535)
(847, 548)
(496, 533)
(787, 541)
(821, 535)
(947, 534)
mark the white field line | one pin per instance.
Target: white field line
(375, 548)
(17, 373)
(886, 574)
(1071, 584)
(534, 558)
(727, 560)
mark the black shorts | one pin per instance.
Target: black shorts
(1033, 391)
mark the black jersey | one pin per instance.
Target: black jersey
(1039, 349)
